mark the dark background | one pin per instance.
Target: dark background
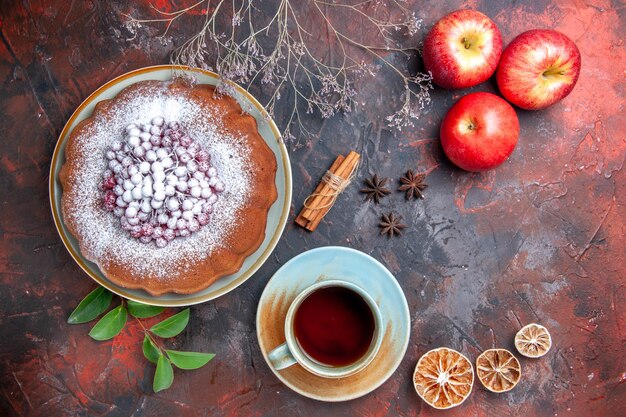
(540, 239)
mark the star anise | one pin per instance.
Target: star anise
(413, 185)
(375, 188)
(390, 225)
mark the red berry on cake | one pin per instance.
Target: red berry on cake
(202, 156)
(203, 218)
(181, 224)
(158, 175)
(169, 234)
(109, 200)
(108, 183)
(185, 141)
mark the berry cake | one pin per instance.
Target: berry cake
(166, 187)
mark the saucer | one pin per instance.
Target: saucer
(334, 262)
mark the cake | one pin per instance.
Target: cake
(167, 186)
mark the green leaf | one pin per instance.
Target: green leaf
(189, 360)
(110, 325)
(143, 311)
(91, 307)
(150, 351)
(164, 375)
(172, 326)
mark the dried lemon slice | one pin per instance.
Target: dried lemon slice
(443, 378)
(498, 370)
(533, 341)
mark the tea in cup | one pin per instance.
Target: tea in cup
(333, 329)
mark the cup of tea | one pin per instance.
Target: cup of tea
(332, 329)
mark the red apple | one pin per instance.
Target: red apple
(539, 68)
(462, 49)
(479, 132)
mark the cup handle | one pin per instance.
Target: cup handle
(281, 357)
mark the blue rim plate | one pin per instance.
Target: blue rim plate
(276, 218)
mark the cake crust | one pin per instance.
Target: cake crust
(223, 256)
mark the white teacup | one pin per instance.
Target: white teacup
(290, 352)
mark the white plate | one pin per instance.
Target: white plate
(350, 265)
(276, 218)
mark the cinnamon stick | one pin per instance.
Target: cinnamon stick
(344, 171)
(303, 221)
(319, 203)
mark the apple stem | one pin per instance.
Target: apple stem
(467, 43)
(553, 71)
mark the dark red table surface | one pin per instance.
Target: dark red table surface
(540, 239)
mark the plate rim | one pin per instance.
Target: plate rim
(392, 369)
(147, 298)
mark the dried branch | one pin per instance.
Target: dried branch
(279, 50)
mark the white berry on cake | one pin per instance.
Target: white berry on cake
(159, 182)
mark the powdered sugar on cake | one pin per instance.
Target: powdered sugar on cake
(104, 236)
